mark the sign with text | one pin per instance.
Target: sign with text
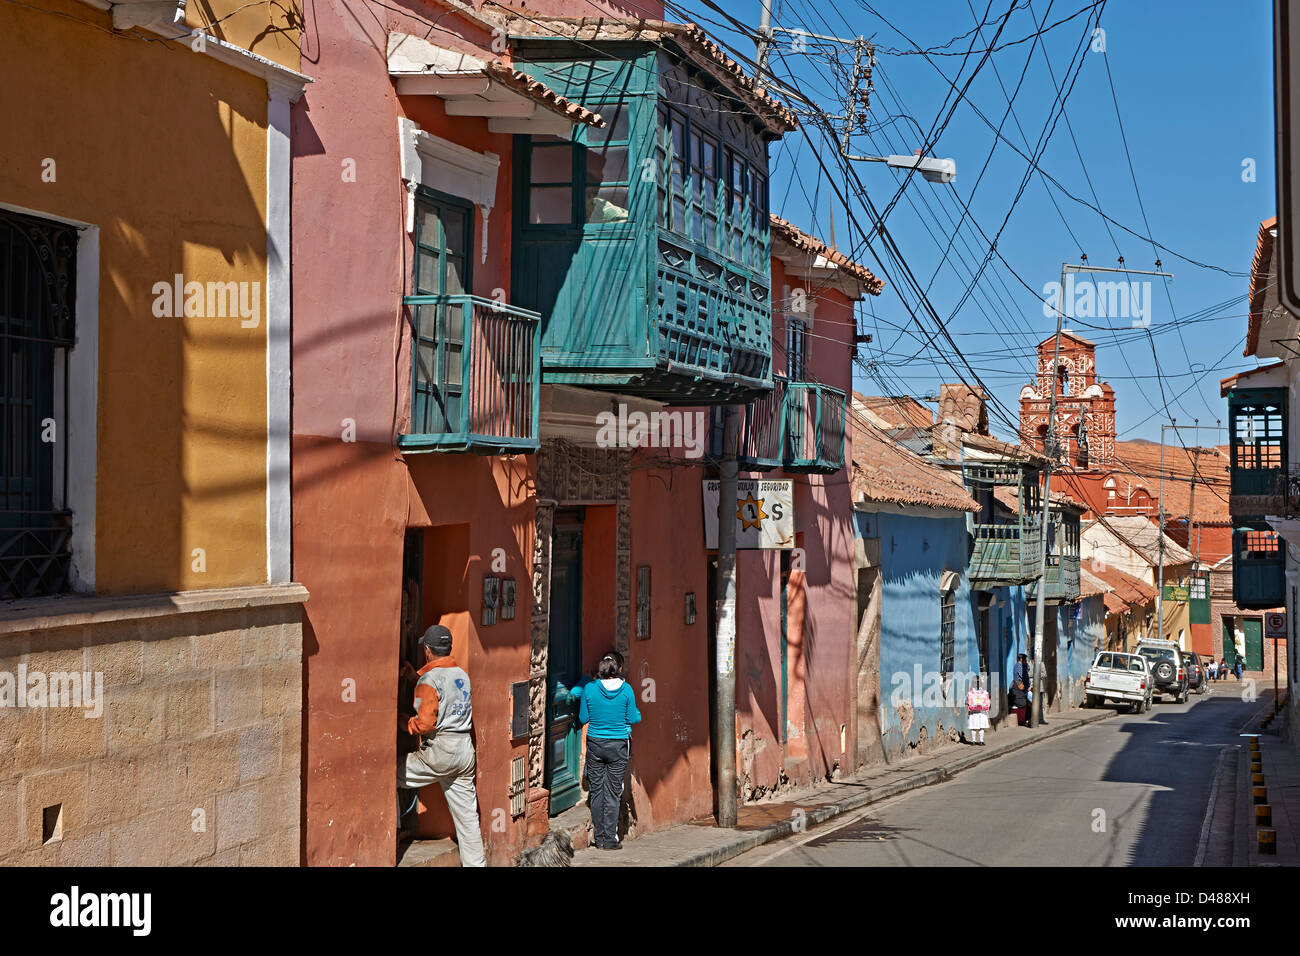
(1275, 626)
(1175, 593)
(764, 514)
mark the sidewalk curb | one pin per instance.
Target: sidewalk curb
(744, 842)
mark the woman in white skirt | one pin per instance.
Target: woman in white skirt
(977, 713)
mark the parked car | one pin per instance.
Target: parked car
(1197, 677)
(1168, 669)
(1118, 676)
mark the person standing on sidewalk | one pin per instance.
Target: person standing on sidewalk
(608, 708)
(444, 723)
(977, 713)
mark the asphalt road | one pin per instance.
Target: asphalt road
(1128, 791)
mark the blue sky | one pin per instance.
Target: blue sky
(1193, 82)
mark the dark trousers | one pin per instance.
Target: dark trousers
(606, 763)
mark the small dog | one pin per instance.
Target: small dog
(556, 849)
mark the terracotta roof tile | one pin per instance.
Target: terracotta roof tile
(1259, 274)
(815, 247)
(1122, 587)
(898, 411)
(538, 91)
(886, 472)
(688, 37)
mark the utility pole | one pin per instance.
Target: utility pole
(724, 698)
(764, 39)
(1049, 452)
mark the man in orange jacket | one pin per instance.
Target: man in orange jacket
(444, 722)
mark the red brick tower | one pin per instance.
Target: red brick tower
(1085, 408)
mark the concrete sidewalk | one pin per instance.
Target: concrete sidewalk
(1281, 769)
(700, 843)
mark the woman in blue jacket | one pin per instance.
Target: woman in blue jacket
(608, 708)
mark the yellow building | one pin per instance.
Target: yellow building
(150, 636)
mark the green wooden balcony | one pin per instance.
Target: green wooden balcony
(814, 428)
(1258, 568)
(797, 426)
(1062, 580)
(475, 377)
(644, 245)
(1005, 554)
(1261, 483)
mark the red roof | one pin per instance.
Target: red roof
(1125, 588)
(900, 411)
(886, 472)
(1229, 383)
(813, 246)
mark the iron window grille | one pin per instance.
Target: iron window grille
(37, 330)
(947, 630)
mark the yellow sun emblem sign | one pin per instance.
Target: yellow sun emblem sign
(750, 512)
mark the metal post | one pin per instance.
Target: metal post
(724, 700)
(1049, 445)
(1160, 580)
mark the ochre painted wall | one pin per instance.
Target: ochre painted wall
(167, 156)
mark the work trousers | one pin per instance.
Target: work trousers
(448, 760)
(606, 764)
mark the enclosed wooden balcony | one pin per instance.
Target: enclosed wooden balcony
(1258, 568)
(1261, 483)
(1006, 549)
(1062, 573)
(644, 244)
(475, 377)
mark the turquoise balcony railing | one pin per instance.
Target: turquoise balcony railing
(476, 369)
(797, 426)
(814, 429)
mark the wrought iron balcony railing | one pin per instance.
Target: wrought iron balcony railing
(476, 369)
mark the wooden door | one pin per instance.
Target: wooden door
(564, 667)
(1254, 631)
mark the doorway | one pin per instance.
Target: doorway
(870, 747)
(563, 772)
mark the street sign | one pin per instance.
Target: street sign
(764, 514)
(1275, 626)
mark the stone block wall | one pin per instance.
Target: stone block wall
(194, 758)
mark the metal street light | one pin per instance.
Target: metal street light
(934, 170)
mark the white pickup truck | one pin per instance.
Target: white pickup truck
(1119, 676)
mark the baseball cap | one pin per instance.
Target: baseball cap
(438, 639)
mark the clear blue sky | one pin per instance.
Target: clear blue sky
(1194, 85)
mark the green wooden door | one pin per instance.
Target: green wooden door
(1254, 631)
(564, 668)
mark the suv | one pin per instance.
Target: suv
(1169, 671)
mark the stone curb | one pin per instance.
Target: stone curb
(744, 842)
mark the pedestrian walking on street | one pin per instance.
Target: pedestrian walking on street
(444, 723)
(977, 713)
(608, 708)
(1237, 667)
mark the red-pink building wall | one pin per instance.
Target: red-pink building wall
(819, 599)
(354, 499)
